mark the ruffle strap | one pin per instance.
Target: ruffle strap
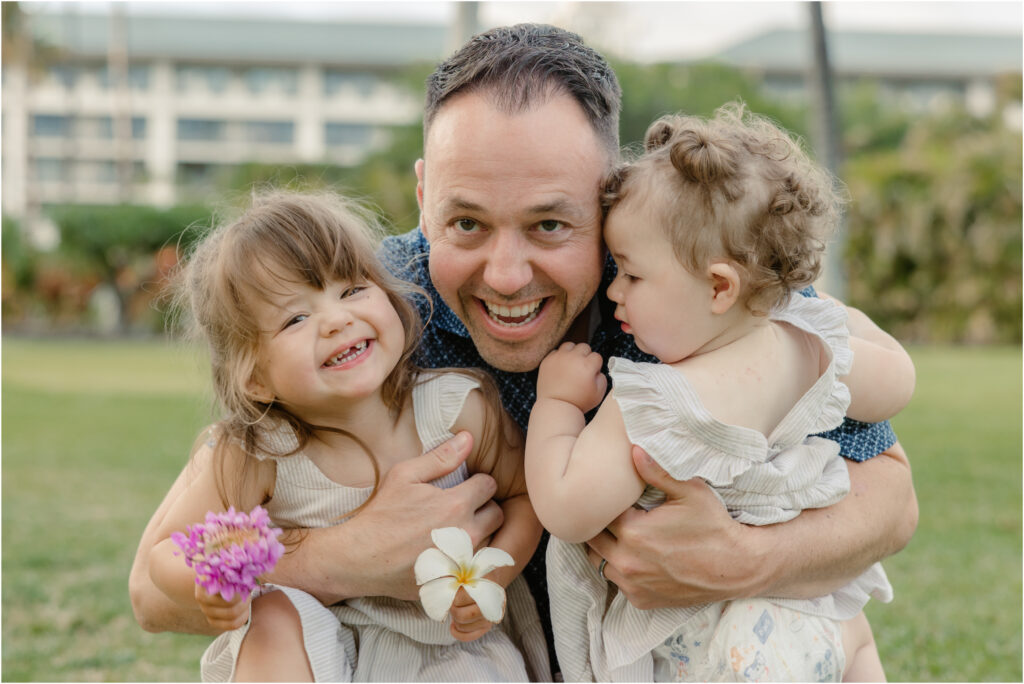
(664, 416)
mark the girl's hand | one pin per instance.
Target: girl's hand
(572, 373)
(468, 624)
(221, 614)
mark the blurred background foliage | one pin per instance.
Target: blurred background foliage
(933, 231)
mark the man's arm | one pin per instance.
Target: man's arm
(372, 554)
(690, 551)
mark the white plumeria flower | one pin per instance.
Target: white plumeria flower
(441, 572)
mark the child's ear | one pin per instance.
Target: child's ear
(258, 391)
(725, 283)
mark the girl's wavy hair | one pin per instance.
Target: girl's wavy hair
(735, 187)
(283, 239)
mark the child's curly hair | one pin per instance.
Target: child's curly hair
(735, 187)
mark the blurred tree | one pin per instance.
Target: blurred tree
(934, 246)
(118, 243)
(650, 91)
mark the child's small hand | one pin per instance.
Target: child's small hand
(572, 373)
(468, 624)
(221, 614)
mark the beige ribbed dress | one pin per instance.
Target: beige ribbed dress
(599, 635)
(378, 639)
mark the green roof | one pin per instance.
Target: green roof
(246, 40)
(877, 53)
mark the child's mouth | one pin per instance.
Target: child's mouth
(347, 355)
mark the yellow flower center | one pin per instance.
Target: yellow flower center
(464, 575)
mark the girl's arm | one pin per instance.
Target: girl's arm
(167, 569)
(882, 379)
(501, 457)
(579, 476)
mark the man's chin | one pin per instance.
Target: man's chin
(512, 357)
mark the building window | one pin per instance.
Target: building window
(138, 77)
(51, 125)
(201, 129)
(263, 79)
(335, 81)
(278, 132)
(212, 79)
(50, 170)
(62, 74)
(347, 134)
(106, 172)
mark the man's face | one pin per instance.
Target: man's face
(510, 206)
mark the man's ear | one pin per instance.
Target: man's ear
(725, 283)
(418, 168)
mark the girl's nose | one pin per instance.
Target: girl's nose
(615, 289)
(334, 320)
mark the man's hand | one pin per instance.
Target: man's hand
(373, 553)
(687, 551)
(572, 373)
(223, 615)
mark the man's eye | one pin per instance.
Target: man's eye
(550, 226)
(466, 225)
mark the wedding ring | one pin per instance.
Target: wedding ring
(600, 569)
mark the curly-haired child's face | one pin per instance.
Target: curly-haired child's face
(662, 305)
(322, 347)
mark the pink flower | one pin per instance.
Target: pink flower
(230, 550)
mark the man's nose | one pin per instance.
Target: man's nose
(508, 268)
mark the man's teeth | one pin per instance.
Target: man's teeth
(347, 355)
(511, 316)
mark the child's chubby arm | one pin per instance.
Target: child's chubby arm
(499, 453)
(882, 379)
(167, 570)
(580, 477)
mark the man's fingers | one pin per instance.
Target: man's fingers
(486, 521)
(437, 462)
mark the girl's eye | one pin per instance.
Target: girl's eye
(550, 226)
(350, 291)
(295, 319)
(466, 225)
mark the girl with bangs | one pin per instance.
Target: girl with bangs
(311, 344)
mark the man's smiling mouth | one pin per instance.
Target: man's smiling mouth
(513, 316)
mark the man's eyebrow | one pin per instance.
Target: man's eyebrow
(459, 204)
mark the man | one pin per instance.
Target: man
(520, 127)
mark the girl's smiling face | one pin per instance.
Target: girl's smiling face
(661, 304)
(321, 348)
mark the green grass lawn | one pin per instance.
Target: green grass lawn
(95, 432)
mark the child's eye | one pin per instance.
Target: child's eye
(353, 290)
(293, 320)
